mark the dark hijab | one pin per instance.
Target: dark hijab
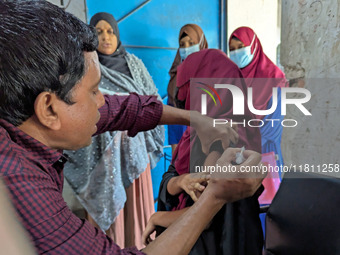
(115, 61)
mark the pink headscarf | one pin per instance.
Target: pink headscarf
(260, 67)
(210, 63)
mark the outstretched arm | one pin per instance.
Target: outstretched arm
(207, 133)
(137, 113)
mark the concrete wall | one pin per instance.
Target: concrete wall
(76, 7)
(310, 49)
(263, 16)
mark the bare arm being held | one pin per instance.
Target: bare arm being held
(188, 183)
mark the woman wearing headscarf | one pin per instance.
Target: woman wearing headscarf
(262, 75)
(236, 229)
(115, 170)
(196, 42)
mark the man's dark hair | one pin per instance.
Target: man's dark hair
(41, 49)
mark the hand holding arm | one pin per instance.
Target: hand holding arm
(190, 183)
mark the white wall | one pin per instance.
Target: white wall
(260, 15)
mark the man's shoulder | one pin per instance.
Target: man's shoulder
(11, 155)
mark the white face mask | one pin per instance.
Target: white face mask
(185, 52)
(242, 57)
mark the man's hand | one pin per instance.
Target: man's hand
(252, 158)
(208, 134)
(150, 228)
(232, 186)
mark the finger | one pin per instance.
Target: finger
(250, 153)
(150, 240)
(228, 156)
(146, 234)
(233, 136)
(206, 147)
(199, 187)
(200, 181)
(193, 196)
(145, 240)
(199, 177)
(252, 158)
(204, 176)
(223, 161)
(235, 127)
(225, 142)
(207, 177)
(232, 153)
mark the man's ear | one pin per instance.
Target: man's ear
(47, 110)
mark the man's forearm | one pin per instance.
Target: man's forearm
(166, 218)
(180, 237)
(176, 116)
(172, 115)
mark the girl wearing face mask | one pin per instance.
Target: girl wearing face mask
(113, 180)
(191, 39)
(246, 51)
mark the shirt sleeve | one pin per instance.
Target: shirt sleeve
(53, 228)
(133, 113)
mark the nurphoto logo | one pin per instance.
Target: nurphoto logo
(239, 100)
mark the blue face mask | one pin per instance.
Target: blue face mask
(185, 52)
(242, 57)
